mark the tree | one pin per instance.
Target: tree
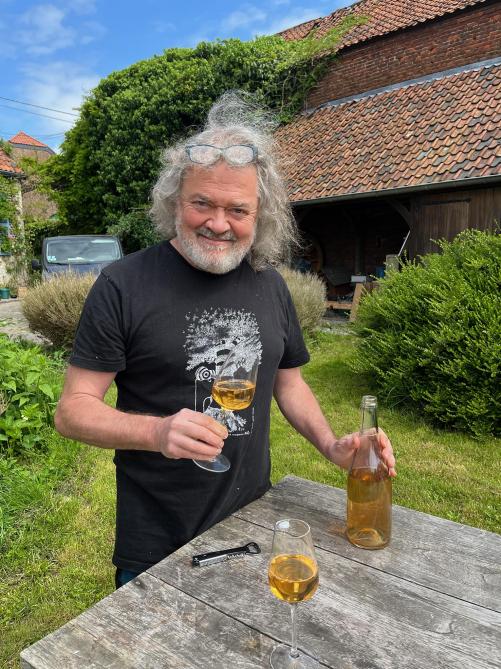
(110, 159)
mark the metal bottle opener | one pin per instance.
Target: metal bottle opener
(221, 556)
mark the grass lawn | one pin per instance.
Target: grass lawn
(57, 562)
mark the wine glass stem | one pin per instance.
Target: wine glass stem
(224, 417)
(294, 651)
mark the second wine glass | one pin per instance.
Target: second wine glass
(293, 578)
(233, 389)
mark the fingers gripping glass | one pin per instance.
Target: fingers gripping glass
(233, 390)
(236, 154)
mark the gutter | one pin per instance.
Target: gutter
(403, 190)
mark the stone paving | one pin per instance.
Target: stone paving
(14, 324)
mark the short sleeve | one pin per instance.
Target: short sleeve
(295, 353)
(100, 340)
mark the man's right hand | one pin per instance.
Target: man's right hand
(189, 434)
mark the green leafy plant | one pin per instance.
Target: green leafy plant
(29, 387)
(53, 307)
(12, 241)
(308, 293)
(135, 231)
(9, 189)
(6, 147)
(430, 334)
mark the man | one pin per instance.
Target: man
(159, 323)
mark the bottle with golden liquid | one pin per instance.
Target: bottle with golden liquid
(369, 486)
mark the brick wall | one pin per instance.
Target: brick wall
(38, 153)
(466, 37)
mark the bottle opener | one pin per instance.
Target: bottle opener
(221, 556)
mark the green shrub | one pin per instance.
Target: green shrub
(29, 387)
(431, 334)
(53, 307)
(135, 231)
(308, 294)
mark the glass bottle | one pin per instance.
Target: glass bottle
(369, 486)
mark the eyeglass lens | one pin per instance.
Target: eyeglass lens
(237, 154)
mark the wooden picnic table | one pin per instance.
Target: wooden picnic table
(432, 599)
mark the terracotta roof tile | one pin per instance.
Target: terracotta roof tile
(7, 165)
(23, 138)
(385, 140)
(384, 16)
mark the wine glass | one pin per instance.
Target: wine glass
(293, 578)
(233, 389)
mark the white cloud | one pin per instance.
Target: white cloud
(243, 17)
(60, 85)
(92, 31)
(163, 27)
(299, 15)
(82, 6)
(44, 31)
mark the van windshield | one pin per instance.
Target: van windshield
(82, 251)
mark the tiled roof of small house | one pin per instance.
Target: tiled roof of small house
(384, 16)
(433, 131)
(27, 140)
(7, 165)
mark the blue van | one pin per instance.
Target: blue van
(77, 253)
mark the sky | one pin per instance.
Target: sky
(54, 52)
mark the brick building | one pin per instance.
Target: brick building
(34, 204)
(401, 139)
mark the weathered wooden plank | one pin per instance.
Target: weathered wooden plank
(151, 625)
(72, 648)
(360, 617)
(455, 559)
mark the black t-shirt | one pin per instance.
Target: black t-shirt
(164, 327)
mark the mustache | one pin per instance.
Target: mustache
(227, 236)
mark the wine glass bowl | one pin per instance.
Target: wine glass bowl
(233, 394)
(293, 578)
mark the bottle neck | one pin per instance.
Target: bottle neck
(369, 419)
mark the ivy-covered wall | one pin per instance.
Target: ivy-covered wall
(11, 209)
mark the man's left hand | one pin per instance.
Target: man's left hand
(342, 450)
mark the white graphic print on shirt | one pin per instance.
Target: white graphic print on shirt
(210, 337)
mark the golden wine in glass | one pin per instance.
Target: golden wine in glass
(293, 578)
(233, 394)
(233, 389)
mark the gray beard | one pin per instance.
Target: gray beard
(214, 262)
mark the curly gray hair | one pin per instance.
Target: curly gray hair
(233, 119)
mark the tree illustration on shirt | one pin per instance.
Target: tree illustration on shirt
(210, 337)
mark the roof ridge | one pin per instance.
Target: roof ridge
(32, 141)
